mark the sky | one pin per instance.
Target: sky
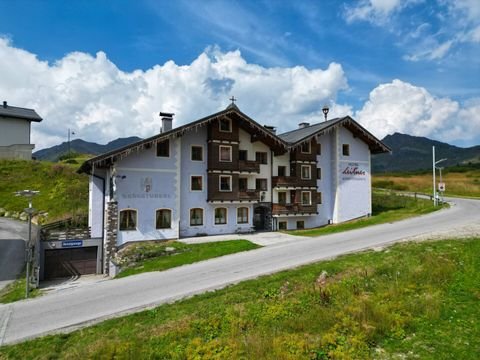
(105, 69)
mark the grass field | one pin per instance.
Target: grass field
(63, 192)
(154, 257)
(414, 300)
(460, 181)
(386, 207)
(16, 291)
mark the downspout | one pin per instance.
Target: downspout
(271, 188)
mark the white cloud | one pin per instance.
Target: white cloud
(100, 102)
(402, 107)
(373, 11)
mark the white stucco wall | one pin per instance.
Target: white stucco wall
(96, 204)
(353, 177)
(160, 175)
(14, 131)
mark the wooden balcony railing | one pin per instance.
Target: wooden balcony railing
(249, 194)
(249, 166)
(296, 208)
(292, 181)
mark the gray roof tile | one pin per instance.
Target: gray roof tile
(19, 113)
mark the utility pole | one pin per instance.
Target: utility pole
(69, 133)
(434, 166)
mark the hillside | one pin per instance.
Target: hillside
(63, 192)
(82, 147)
(410, 153)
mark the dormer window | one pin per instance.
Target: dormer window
(225, 125)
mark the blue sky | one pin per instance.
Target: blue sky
(410, 66)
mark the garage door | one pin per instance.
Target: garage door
(70, 262)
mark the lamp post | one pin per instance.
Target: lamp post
(70, 132)
(325, 110)
(434, 166)
(29, 194)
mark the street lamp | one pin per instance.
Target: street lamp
(434, 166)
(325, 110)
(29, 194)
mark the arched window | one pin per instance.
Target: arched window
(220, 216)
(128, 219)
(196, 217)
(163, 219)
(242, 215)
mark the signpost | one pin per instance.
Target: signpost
(434, 166)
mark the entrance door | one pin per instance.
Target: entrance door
(259, 218)
(70, 262)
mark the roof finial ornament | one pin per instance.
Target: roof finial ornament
(233, 99)
(325, 110)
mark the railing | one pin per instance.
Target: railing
(296, 208)
(292, 181)
(249, 194)
(71, 228)
(249, 166)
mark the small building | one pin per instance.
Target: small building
(15, 124)
(226, 173)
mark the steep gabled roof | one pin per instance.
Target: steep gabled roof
(18, 113)
(232, 111)
(296, 137)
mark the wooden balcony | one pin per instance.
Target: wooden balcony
(296, 208)
(249, 194)
(292, 182)
(250, 166)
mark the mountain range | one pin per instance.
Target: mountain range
(409, 153)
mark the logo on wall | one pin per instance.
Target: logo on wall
(354, 171)
(146, 184)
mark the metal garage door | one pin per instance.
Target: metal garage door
(70, 262)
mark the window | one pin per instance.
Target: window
(261, 157)
(305, 149)
(196, 183)
(225, 125)
(242, 215)
(242, 155)
(319, 149)
(282, 197)
(197, 153)
(300, 225)
(306, 172)
(306, 198)
(242, 184)
(282, 171)
(346, 150)
(319, 197)
(196, 217)
(319, 173)
(282, 225)
(261, 184)
(225, 183)
(225, 153)
(163, 219)
(163, 148)
(128, 219)
(220, 216)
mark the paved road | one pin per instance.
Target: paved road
(12, 249)
(73, 308)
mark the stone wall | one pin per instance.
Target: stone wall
(111, 236)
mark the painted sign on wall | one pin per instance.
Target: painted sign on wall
(354, 171)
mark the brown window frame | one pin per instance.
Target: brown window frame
(191, 182)
(309, 148)
(159, 151)
(127, 226)
(229, 121)
(220, 183)
(201, 153)
(220, 153)
(163, 226)
(261, 157)
(309, 167)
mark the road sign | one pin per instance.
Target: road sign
(441, 186)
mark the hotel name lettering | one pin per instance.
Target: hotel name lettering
(353, 171)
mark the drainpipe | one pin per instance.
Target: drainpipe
(271, 189)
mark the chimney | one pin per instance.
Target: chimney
(167, 120)
(303, 125)
(271, 128)
(4, 104)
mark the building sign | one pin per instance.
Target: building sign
(72, 243)
(354, 171)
